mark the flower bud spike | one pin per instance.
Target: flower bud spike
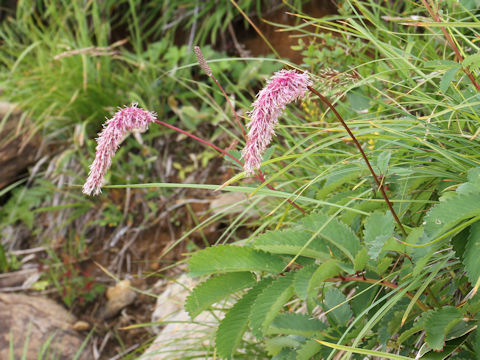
(114, 131)
(283, 87)
(201, 61)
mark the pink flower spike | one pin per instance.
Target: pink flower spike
(114, 131)
(283, 87)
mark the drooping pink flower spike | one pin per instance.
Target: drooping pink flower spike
(283, 87)
(114, 131)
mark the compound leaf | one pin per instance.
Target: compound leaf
(308, 350)
(449, 212)
(296, 324)
(291, 243)
(233, 326)
(216, 289)
(340, 313)
(269, 303)
(230, 258)
(335, 232)
(472, 254)
(378, 229)
(438, 323)
(323, 272)
(302, 278)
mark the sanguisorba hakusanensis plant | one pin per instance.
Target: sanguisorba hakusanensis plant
(358, 288)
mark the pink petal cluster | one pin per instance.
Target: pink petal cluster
(114, 131)
(283, 87)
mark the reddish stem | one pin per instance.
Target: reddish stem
(359, 147)
(260, 176)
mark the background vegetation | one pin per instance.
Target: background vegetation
(340, 281)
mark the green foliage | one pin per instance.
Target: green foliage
(269, 303)
(438, 323)
(230, 258)
(296, 324)
(216, 289)
(8, 262)
(354, 282)
(334, 231)
(233, 326)
(324, 271)
(291, 242)
(336, 307)
(378, 229)
(471, 254)
(73, 284)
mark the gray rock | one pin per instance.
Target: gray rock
(31, 322)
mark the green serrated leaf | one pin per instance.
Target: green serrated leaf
(378, 229)
(383, 265)
(230, 258)
(216, 289)
(364, 293)
(236, 154)
(473, 176)
(296, 324)
(473, 59)
(471, 255)
(473, 184)
(450, 347)
(449, 212)
(275, 345)
(438, 323)
(476, 342)
(447, 78)
(383, 160)
(269, 303)
(393, 245)
(286, 354)
(302, 278)
(323, 272)
(335, 232)
(408, 333)
(360, 260)
(290, 242)
(308, 350)
(339, 314)
(233, 326)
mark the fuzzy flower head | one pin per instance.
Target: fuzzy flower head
(282, 88)
(126, 120)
